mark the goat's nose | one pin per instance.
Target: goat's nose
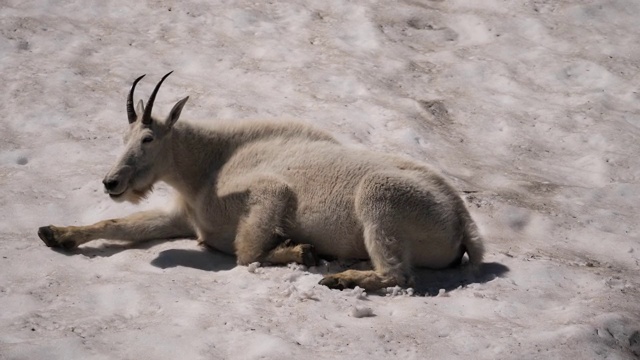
(110, 184)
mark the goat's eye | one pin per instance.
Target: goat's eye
(147, 139)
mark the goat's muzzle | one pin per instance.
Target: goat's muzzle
(110, 185)
(116, 182)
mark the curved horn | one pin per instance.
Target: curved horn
(146, 117)
(131, 112)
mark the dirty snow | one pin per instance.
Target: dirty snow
(530, 108)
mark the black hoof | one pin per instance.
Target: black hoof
(309, 256)
(337, 283)
(46, 235)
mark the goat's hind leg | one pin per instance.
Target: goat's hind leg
(388, 257)
(378, 208)
(142, 226)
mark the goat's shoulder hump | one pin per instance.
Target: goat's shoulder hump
(261, 129)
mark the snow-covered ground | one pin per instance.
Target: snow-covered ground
(530, 108)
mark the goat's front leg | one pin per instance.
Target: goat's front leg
(142, 226)
(289, 252)
(262, 232)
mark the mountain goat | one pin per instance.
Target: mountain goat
(279, 192)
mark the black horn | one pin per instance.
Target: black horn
(131, 112)
(146, 117)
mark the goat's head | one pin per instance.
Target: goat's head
(146, 153)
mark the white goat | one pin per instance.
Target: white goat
(282, 192)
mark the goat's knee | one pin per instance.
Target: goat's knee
(247, 254)
(253, 242)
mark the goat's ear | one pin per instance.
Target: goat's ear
(175, 112)
(140, 107)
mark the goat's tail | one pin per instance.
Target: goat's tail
(472, 242)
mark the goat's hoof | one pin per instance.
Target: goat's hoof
(308, 254)
(48, 235)
(337, 282)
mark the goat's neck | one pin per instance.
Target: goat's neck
(197, 154)
(194, 158)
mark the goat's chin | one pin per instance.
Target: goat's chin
(133, 196)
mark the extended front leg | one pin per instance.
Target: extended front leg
(142, 226)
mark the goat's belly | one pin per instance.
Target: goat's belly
(334, 246)
(326, 218)
(333, 236)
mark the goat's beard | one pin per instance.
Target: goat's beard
(140, 195)
(134, 196)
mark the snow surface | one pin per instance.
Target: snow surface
(530, 108)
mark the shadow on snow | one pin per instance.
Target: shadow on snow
(428, 282)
